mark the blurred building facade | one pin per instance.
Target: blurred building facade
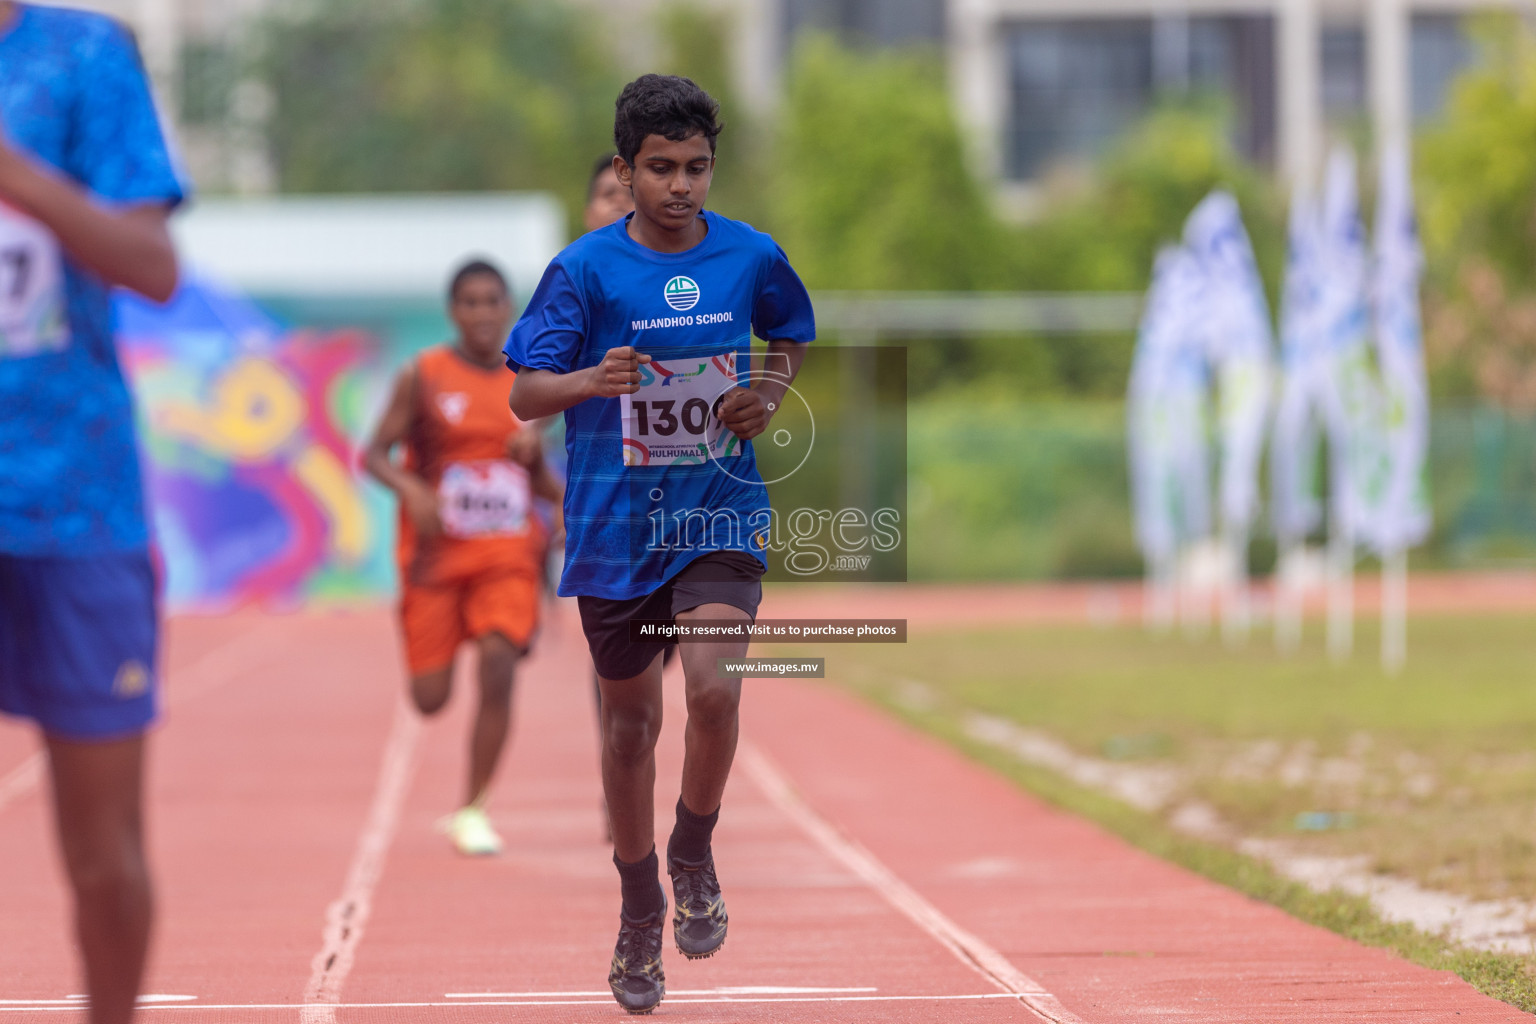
(1043, 81)
(1038, 83)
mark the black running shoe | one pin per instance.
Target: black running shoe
(636, 977)
(699, 922)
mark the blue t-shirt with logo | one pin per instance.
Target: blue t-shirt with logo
(73, 97)
(628, 527)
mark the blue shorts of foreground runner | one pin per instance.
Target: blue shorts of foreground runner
(77, 643)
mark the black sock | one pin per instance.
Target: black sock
(641, 887)
(690, 836)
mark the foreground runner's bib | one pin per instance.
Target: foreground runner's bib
(672, 419)
(32, 317)
(482, 499)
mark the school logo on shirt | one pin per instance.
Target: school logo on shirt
(453, 405)
(682, 293)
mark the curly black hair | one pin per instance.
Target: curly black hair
(666, 105)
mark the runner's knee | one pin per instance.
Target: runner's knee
(713, 706)
(498, 655)
(108, 871)
(498, 658)
(430, 691)
(630, 732)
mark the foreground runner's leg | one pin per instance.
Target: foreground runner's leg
(631, 720)
(699, 921)
(713, 702)
(98, 801)
(667, 657)
(631, 715)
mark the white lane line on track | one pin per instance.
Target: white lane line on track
(730, 990)
(220, 664)
(21, 780)
(346, 917)
(606, 1001)
(967, 948)
(79, 1000)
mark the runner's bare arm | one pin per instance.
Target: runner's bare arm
(746, 412)
(129, 246)
(418, 498)
(540, 393)
(546, 484)
(526, 446)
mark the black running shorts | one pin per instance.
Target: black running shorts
(719, 577)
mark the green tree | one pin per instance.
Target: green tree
(870, 185)
(1478, 163)
(438, 95)
(1106, 236)
(697, 46)
(1477, 178)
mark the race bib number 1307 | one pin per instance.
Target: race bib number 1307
(671, 419)
(32, 314)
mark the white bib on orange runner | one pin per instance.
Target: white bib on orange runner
(483, 499)
(671, 419)
(32, 311)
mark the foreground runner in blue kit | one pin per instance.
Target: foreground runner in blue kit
(641, 333)
(86, 185)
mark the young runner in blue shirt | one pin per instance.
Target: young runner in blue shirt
(86, 185)
(641, 333)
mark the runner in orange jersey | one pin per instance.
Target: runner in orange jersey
(471, 549)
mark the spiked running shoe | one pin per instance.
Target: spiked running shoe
(636, 977)
(700, 920)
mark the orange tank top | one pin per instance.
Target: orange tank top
(460, 426)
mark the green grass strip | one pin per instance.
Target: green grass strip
(1505, 976)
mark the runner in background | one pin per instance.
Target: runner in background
(470, 550)
(608, 199)
(87, 183)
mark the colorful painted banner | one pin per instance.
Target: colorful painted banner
(250, 433)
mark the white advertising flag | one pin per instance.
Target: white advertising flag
(1398, 513)
(1298, 414)
(1329, 383)
(1234, 319)
(1166, 414)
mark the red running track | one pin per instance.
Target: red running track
(872, 874)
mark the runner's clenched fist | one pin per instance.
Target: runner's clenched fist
(744, 413)
(618, 373)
